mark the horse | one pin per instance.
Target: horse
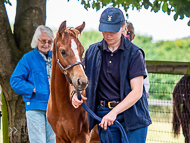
(70, 125)
(181, 107)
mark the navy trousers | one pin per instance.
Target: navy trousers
(134, 136)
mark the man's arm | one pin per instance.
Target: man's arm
(135, 94)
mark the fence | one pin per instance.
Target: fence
(163, 77)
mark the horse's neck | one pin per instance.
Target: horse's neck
(59, 87)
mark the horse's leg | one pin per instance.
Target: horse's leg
(82, 138)
(94, 138)
(59, 140)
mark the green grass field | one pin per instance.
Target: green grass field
(157, 133)
(162, 132)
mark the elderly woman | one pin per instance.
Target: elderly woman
(31, 79)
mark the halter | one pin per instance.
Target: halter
(68, 67)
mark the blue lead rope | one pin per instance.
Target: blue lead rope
(108, 137)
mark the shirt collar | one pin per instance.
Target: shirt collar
(48, 59)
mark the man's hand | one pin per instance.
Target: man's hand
(76, 102)
(108, 120)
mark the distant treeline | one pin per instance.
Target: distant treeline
(177, 50)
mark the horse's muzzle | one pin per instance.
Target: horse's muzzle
(80, 83)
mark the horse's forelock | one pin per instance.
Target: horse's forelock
(71, 31)
(68, 30)
(63, 35)
(76, 32)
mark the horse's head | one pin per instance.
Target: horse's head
(69, 53)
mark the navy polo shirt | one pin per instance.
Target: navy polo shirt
(109, 80)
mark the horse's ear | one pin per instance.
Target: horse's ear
(62, 27)
(81, 27)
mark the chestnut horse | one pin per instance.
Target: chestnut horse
(69, 124)
(181, 107)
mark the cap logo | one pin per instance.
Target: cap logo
(109, 18)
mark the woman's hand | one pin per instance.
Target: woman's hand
(76, 102)
(108, 120)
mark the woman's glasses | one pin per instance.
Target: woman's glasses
(44, 41)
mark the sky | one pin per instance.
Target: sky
(159, 26)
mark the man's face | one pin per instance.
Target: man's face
(130, 34)
(44, 43)
(112, 38)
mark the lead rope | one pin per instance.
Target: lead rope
(108, 137)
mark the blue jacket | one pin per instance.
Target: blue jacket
(31, 73)
(136, 116)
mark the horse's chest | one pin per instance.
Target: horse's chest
(65, 124)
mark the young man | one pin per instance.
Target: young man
(116, 68)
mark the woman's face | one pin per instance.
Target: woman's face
(44, 43)
(130, 32)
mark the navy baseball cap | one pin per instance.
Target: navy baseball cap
(111, 20)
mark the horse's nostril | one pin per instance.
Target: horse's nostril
(79, 83)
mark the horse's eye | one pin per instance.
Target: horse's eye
(63, 52)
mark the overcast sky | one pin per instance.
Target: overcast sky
(158, 25)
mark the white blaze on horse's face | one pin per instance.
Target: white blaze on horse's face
(74, 48)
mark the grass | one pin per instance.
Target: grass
(161, 128)
(157, 132)
(162, 132)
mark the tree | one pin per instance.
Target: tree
(30, 14)
(180, 7)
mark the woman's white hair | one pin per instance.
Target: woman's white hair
(38, 32)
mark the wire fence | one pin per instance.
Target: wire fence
(162, 79)
(160, 108)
